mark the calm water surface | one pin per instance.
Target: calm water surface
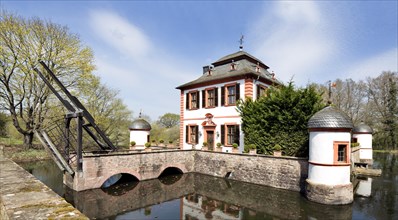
(195, 196)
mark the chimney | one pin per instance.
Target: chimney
(206, 69)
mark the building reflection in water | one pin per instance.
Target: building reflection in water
(197, 196)
(364, 187)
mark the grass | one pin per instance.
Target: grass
(14, 150)
(386, 151)
(10, 141)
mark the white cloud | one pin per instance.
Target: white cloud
(127, 38)
(374, 66)
(292, 38)
(145, 77)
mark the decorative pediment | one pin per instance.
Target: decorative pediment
(209, 120)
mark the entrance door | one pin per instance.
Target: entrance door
(210, 139)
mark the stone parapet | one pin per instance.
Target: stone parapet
(22, 196)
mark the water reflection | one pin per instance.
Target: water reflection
(47, 172)
(196, 196)
(364, 187)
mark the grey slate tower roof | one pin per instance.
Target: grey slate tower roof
(140, 124)
(330, 117)
(362, 128)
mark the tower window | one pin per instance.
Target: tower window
(341, 150)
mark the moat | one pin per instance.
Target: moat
(196, 196)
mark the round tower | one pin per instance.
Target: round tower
(140, 132)
(362, 134)
(329, 158)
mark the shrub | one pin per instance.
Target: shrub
(235, 145)
(132, 143)
(147, 144)
(153, 141)
(252, 146)
(170, 142)
(219, 144)
(277, 147)
(205, 144)
(161, 141)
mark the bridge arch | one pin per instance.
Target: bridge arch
(175, 166)
(109, 175)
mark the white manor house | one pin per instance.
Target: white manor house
(208, 104)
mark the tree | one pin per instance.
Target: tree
(3, 122)
(109, 111)
(169, 120)
(281, 118)
(348, 96)
(23, 42)
(383, 96)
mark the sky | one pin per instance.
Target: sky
(144, 49)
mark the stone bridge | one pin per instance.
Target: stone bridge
(98, 168)
(279, 172)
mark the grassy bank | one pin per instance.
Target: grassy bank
(14, 150)
(386, 151)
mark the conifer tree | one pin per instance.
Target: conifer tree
(280, 117)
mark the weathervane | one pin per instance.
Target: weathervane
(331, 84)
(241, 42)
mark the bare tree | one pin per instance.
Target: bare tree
(23, 42)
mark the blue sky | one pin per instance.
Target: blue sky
(145, 49)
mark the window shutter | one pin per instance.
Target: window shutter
(222, 134)
(197, 99)
(223, 96)
(197, 135)
(187, 101)
(237, 134)
(216, 97)
(186, 134)
(257, 91)
(203, 98)
(237, 91)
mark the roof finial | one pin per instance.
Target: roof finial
(331, 84)
(140, 113)
(241, 42)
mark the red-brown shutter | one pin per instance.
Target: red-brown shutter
(237, 134)
(237, 91)
(222, 134)
(257, 91)
(216, 97)
(203, 98)
(197, 99)
(223, 96)
(186, 134)
(197, 135)
(187, 101)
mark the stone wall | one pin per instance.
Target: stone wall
(279, 172)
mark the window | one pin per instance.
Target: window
(341, 152)
(261, 90)
(210, 98)
(192, 101)
(229, 134)
(230, 94)
(191, 134)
